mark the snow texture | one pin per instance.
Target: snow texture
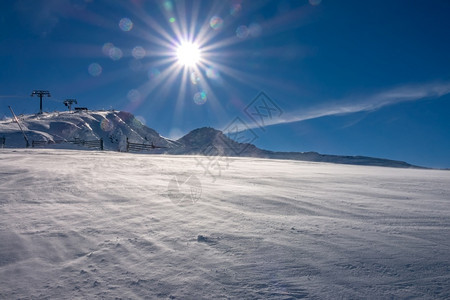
(103, 225)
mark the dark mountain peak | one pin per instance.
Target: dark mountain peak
(207, 140)
(201, 137)
(204, 131)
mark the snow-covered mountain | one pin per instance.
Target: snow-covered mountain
(115, 127)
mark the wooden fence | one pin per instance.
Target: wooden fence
(136, 147)
(38, 143)
(98, 144)
(95, 144)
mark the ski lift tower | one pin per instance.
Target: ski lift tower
(40, 94)
(69, 102)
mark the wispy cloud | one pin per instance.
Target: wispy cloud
(364, 103)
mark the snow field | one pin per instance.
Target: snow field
(87, 224)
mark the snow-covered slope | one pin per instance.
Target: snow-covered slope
(105, 225)
(115, 127)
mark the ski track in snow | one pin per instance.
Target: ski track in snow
(87, 224)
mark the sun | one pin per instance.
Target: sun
(188, 54)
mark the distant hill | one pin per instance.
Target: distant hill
(115, 127)
(198, 140)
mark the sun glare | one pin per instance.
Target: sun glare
(188, 54)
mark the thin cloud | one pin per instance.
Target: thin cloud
(369, 103)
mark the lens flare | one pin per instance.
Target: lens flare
(184, 50)
(138, 52)
(188, 54)
(153, 73)
(168, 6)
(200, 98)
(134, 95)
(95, 69)
(212, 73)
(242, 32)
(235, 9)
(125, 24)
(115, 53)
(141, 119)
(216, 23)
(106, 125)
(194, 78)
(107, 47)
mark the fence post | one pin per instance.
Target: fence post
(3, 139)
(128, 145)
(101, 143)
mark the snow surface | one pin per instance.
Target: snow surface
(88, 224)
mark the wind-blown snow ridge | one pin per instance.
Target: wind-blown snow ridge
(102, 225)
(114, 127)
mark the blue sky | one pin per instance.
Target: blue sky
(350, 77)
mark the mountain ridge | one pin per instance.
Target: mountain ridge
(116, 128)
(220, 145)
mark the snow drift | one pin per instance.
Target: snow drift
(89, 224)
